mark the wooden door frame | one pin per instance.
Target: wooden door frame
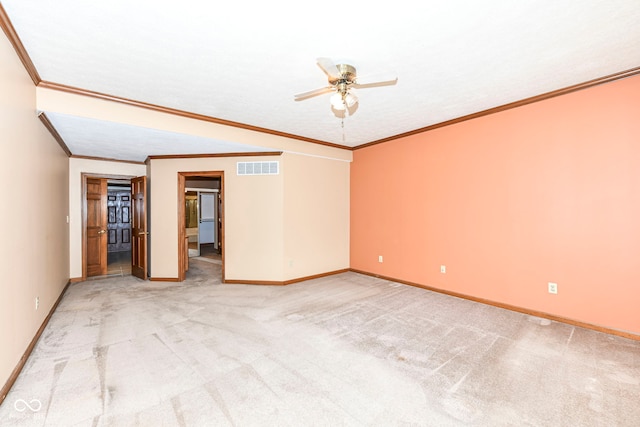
(182, 249)
(83, 207)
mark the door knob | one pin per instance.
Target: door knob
(102, 231)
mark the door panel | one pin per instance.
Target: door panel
(207, 218)
(139, 232)
(96, 227)
(119, 220)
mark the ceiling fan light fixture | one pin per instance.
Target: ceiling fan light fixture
(337, 101)
(350, 99)
(342, 100)
(342, 82)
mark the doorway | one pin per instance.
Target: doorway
(118, 227)
(110, 232)
(202, 207)
(200, 219)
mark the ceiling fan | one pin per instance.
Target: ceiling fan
(342, 81)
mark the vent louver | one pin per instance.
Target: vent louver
(258, 168)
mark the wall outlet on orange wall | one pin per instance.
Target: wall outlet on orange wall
(379, 258)
(443, 269)
(553, 288)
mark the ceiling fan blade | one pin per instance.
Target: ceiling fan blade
(390, 82)
(304, 95)
(329, 68)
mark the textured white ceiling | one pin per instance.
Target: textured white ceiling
(99, 138)
(243, 61)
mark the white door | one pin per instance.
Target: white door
(207, 218)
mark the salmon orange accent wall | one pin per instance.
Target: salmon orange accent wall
(547, 192)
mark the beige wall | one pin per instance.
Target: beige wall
(252, 215)
(267, 216)
(34, 260)
(316, 215)
(277, 227)
(98, 167)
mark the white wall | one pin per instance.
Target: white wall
(34, 243)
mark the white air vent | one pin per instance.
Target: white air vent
(258, 168)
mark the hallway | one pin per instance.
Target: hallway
(119, 263)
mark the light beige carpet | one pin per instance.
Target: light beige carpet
(345, 350)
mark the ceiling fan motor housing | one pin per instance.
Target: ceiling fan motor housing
(347, 75)
(342, 80)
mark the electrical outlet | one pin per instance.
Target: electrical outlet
(443, 269)
(553, 288)
(379, 258)
(37, 302)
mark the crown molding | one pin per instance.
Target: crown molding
(8, 29)
(106, 159)
(52, 130)
(580, 86)
(13, 37)
(181, 113)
